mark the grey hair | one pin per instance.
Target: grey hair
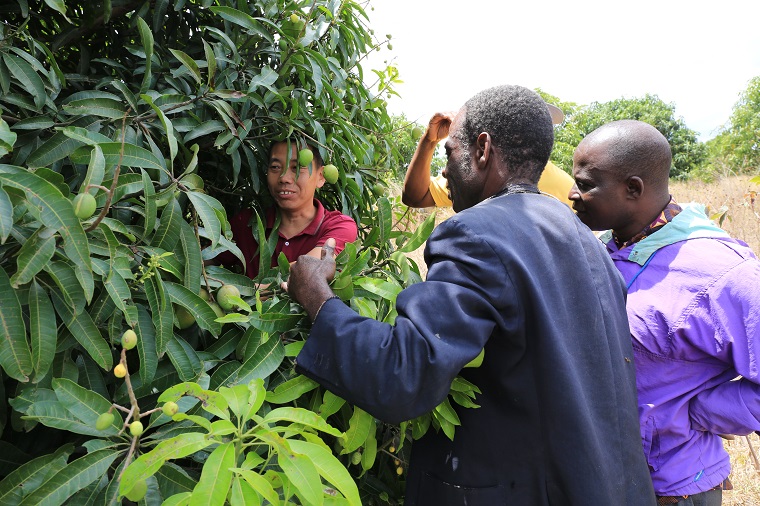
(519, 124)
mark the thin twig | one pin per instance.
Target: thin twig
(755, 461)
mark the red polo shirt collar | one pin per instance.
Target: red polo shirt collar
(311, 229)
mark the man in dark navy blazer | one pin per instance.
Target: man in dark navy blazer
(517, 274)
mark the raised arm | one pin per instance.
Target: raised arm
(416, 190)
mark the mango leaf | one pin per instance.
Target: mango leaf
(149, 193)
(35, 253)
(91, 376)
(420, 235)
(6, 215)
(7, 138)
(244, 20)
(119, 291)
(210, 63)
(264, 362)
(355, 264)
(243, 494)
(274, 322)
(189, 63)
(237, 399)
(148, 463)
(53, 413)
(28, 477)
(191, 248)
(184, 358)
(182, 499)
(161, 311)
(329, 467)
(35, 123)
(447, 412)
(85, 404)
(216, 476)
(172, 480)
(95, 170)
(303, 475)
(370, 452)
(56, 148)
(28, 78)
(199, 308)
(168, 233)
(146, 345)
(291, 390)
(66, 279)
(85, 332)
(74, 477)
(59, 6)
(134, 156)
(359, 427)
(260, 484)
(384, 289)
(167, 124)
(211, 401)
(15, 356)
(331, 404)
(100, 107)
(304, 417)
(84, 136)
(384, 218)
(205, 128)
(43, 331)
(146, 37)
(206, 207)
(56, 213)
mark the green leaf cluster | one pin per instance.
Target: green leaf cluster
(164, 112)
(688, 152)
(735, 149)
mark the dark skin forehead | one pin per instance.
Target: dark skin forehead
(592, 160)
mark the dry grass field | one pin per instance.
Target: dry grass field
(743, 222)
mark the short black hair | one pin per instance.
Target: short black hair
(318, 161)
(519, 124)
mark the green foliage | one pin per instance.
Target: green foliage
(688, 152)
(735, 149)
(164, 112)
(404, 144)
(565, 135)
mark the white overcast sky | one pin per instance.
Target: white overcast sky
(696, 54)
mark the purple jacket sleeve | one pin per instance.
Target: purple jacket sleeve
(732, 309)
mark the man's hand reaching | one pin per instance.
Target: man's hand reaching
(309, 279)
(438, 126)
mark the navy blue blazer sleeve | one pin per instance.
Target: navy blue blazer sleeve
(399, 372)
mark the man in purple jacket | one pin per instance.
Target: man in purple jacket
(693, 309)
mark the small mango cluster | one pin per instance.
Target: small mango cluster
(136, 428)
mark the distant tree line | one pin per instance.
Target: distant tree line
(735, 150)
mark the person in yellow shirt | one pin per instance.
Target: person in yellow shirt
(421, 190)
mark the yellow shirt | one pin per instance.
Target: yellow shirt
(554, 181)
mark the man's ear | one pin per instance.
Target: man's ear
(634, 187)
(321, 177)
(483, 149)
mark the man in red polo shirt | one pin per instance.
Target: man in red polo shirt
(305, 224)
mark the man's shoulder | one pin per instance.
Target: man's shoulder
(338, 217)
(339, 226)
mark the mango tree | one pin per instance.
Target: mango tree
(130, 131)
